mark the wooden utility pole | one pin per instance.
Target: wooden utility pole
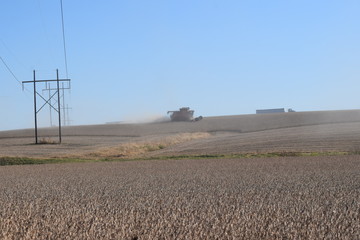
(47, 101)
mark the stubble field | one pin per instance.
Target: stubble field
(275, 198)
(207, 198)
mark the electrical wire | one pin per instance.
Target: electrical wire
(12, 73)
(12, 53)
(65, 55)
(63, 32)
(8, 68)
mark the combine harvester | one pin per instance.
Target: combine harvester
(184, 115)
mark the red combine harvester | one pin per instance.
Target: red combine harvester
(183, 115)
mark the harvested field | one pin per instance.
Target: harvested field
(208, 198)
(326, 131)
(316, 138)
(275, 198)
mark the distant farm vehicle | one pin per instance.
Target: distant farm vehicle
(183, 115)
(198, 118)
(274, 110)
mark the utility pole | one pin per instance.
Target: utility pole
(50, 110)
(65, 115)
(58, 93)
(47, 101)
(34, 81)
(67, 120)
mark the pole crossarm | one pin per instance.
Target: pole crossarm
(54, 89)
(50, 80)
(52, 104)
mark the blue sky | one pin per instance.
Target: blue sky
(132, 60)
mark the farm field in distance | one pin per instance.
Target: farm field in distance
(191, 180)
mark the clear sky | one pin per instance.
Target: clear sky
(130, 60)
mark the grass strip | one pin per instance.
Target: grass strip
(28, 161)
(251, 155)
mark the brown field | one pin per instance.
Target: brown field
(220, 198)
(301, 132)
(274, 198)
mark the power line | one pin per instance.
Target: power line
(8, 68)
(63, 31)
(12, 53)
(12, 73)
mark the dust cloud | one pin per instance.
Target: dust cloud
(146, 118)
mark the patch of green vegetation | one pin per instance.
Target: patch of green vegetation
(27, 161)
(251, 155)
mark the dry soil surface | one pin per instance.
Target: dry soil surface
(257, 198)
(300, 131)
